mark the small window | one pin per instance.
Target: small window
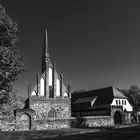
(122, 102)
(119, 102)
(52, 114)
(116, 102)
(33, 93)
(125, 102)
(65, 94)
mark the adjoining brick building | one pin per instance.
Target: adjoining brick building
(48, 105)
(106, 106)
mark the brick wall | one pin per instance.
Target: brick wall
(93, 121)
(41, 107)
(52, 124)
(7, 124)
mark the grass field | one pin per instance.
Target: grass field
(41, 134)
(52, 134)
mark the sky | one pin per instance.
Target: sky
(94, 43)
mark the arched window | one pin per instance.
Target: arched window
(52, 114)
(57, 87)
(50, 76)
(42, 86)
(33, 93)
(65, 94)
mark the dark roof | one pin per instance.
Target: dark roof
(84, 100)
(104, 98)
(118, 94)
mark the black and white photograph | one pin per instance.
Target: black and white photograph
(69, 69)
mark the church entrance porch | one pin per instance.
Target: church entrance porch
(117, 118)
(25, 119)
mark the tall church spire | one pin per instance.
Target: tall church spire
(47, 56)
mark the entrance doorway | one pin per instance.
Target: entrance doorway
(117, 118)
(25, 121)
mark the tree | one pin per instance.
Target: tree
(133, 95)
(11, 63)
(14, 102)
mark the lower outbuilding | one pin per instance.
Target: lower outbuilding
(100, 107)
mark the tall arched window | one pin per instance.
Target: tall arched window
(51, 95)
(50, 76)
(33, 93)
(52, 114)
(57, 87)
(42, 86)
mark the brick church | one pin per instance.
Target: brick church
(48, 104)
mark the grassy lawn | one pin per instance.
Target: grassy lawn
(40, 134)
(53, 134)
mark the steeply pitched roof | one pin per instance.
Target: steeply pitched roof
(85, 100)
(117, 94)
(104, 98)
(35, 87)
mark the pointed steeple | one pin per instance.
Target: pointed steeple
(29, 89)
(47, 56)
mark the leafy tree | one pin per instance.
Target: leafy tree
(14, 102)
(133, 95)
(11, 63)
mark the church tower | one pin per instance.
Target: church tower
(50, 99)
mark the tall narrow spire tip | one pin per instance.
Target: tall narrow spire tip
(46, 44)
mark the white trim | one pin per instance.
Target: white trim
(126, 106)
(42, 87)
(50, 76)
(58, 87)
(33, 93)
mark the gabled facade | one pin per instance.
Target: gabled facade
(102, 102)
(49, 100)
(121, 100)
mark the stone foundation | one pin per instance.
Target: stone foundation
(52, 124)
(7, 124)
(48, 124)
(93, 121)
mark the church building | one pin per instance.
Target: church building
(49, 103)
